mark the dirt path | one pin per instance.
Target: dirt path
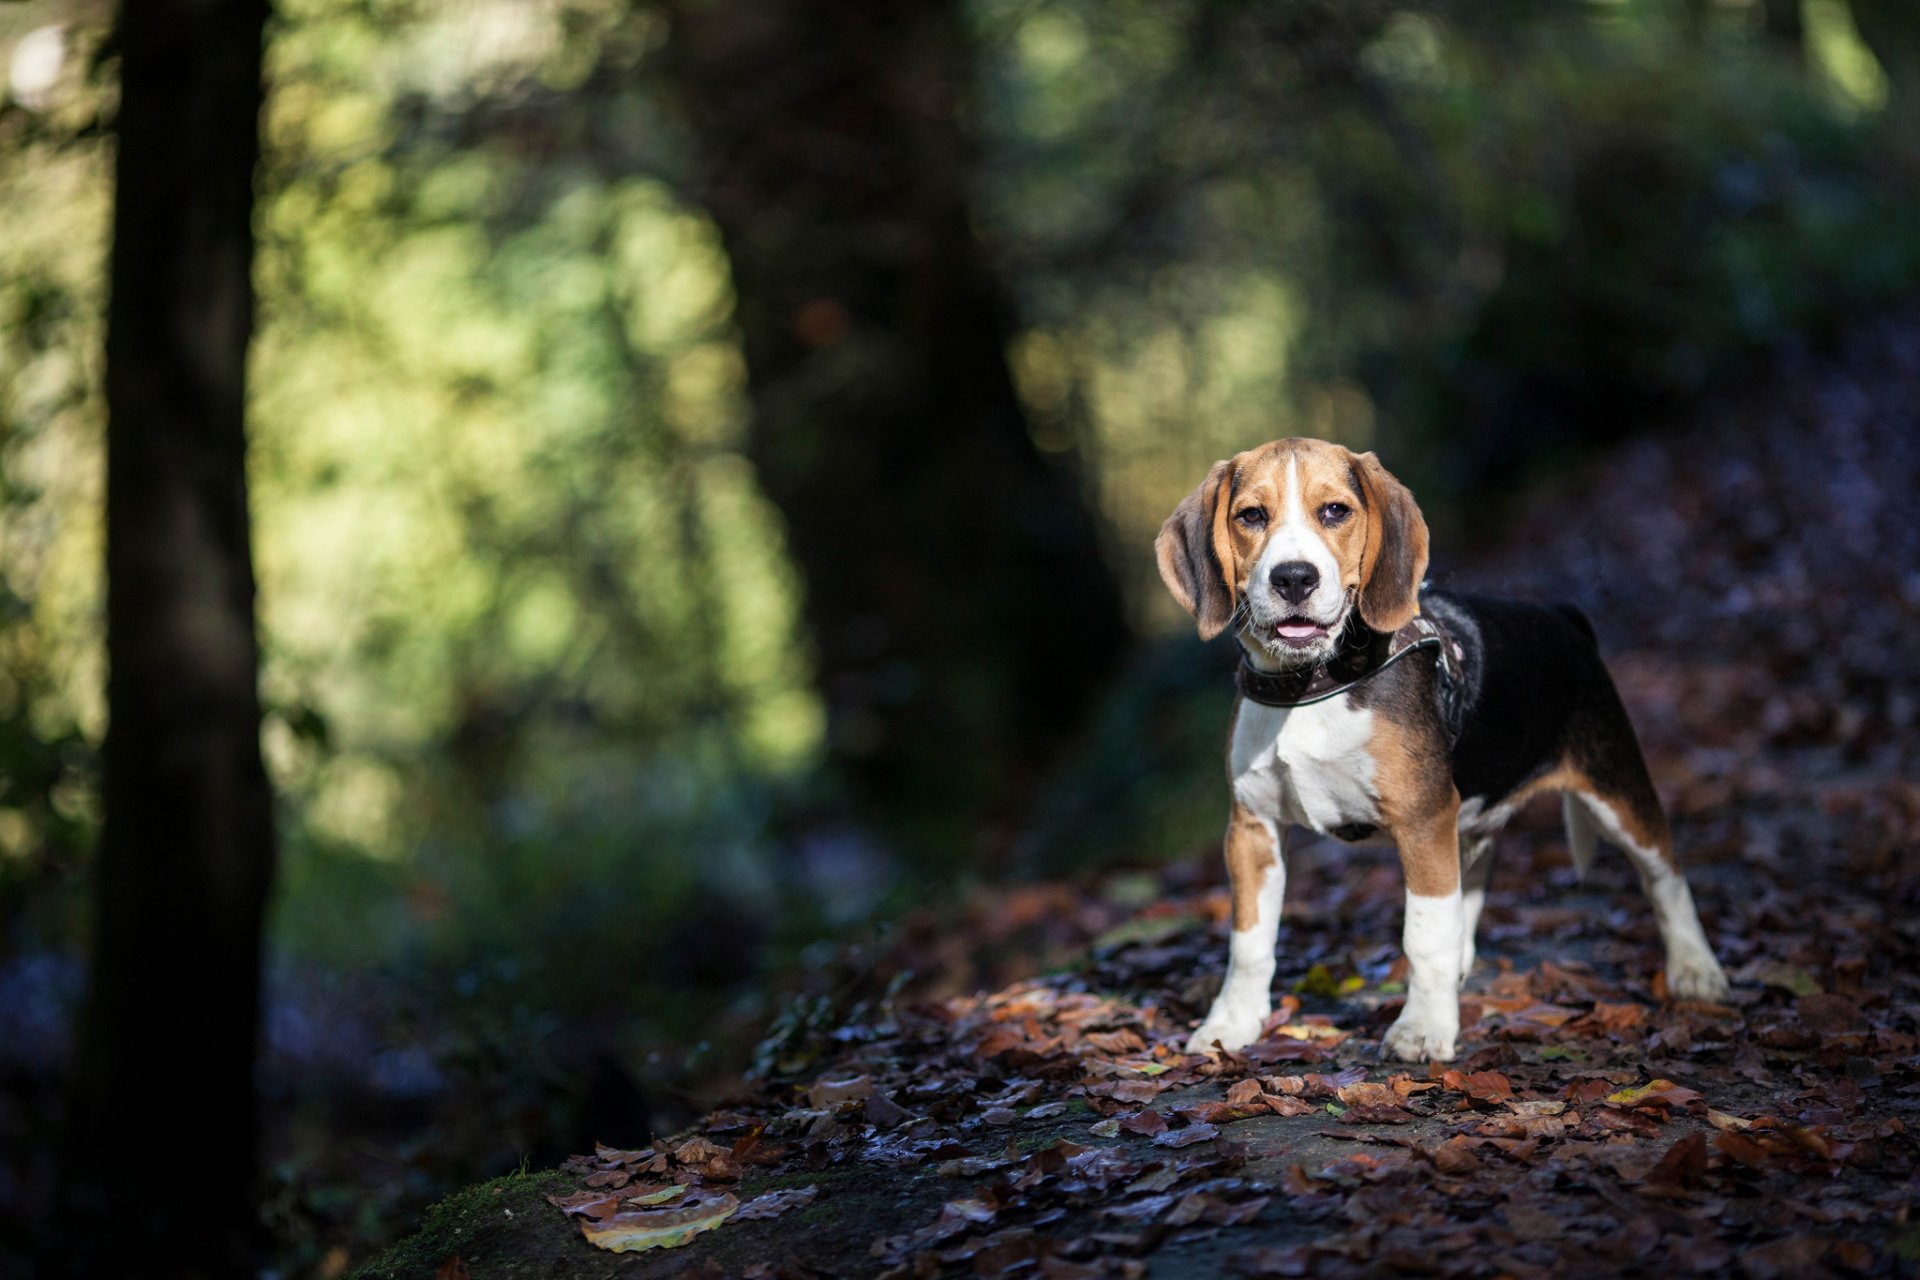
(1757, 587)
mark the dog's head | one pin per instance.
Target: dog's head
(1284, 541)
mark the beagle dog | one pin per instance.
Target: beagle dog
(1371, 707)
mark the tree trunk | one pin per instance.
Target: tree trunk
(1782, 22)
(163, 1080)
(962, 615)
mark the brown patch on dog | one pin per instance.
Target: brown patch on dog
(1250, 856)
(1196, 561)
(1639, 813)
(1429, 847)
(1418, 804)
(1395, 557)
(1562, 777)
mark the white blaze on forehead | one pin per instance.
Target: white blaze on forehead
(1298, 538)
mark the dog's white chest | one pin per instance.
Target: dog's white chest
(1308, 766)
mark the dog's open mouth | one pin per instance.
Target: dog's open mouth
(1298, 633)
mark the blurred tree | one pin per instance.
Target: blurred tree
(1891, 29)
(1785, 25)
(957, 597)
(168, 1035)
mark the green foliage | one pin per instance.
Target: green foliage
(1482, 236)
(55, 208)
(531, 660)
(510, 555)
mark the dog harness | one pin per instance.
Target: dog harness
(1355, 662)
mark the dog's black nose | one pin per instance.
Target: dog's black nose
(1294, 580)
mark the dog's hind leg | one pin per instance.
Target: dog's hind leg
(1692, 971)
(1619, 798)
(1476, 869)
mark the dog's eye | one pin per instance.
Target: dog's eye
(1334, 513)
(1253, 518)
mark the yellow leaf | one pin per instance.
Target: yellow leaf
(1627, 1097)
(1653, 1093)
(1308, 1031)
(658, 1228)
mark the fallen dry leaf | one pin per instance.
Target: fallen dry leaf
(657, 1228)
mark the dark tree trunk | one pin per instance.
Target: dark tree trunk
(163, 1081)
(1781, 21)
(961, 611)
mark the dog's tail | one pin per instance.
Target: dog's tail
(1580, 831)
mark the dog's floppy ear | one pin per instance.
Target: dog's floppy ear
(1395, 559)
(1196, 555)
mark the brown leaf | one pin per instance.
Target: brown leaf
(600, 1203)
(1587, 1090)
(1186, 1137)
(828, 1092)
(1375, 1113)
(883, 1112)
(697, 1151)
(1367, 1093)
(613, 1156)
(1405, 1086)
(1116, 1042)
(1454, 1156)
(1135, 1091)
(1244, 1093)
(454, 1268)
(775, 1203)
(1684, 1166)
(1739, 1147)
(1482, 1086)
(1144, 1122)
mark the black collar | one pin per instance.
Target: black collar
(1361, 654)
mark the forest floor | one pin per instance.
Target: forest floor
(1756, 585)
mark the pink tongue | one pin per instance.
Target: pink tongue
(1297, 630)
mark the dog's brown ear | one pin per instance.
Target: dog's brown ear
(1395, 560)
(1196, 555)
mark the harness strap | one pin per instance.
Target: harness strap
(1356, 664)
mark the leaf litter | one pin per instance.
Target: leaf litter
(1054, 1127)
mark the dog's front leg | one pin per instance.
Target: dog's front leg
(1429, 1024)
(1257, 870)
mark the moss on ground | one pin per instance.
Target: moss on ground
(503, 1228)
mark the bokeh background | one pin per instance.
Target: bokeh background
(705, 459)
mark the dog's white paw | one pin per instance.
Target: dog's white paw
(1233, 1025)
(1420, 1037)
(1696, 977)
(1467, 957)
